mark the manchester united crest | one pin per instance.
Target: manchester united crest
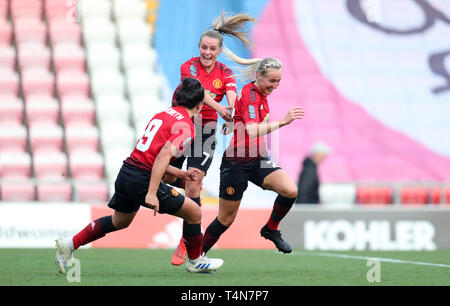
(217, 83)
(230, 190)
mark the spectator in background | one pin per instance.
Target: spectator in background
(309, 182)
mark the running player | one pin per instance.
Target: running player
(218, 81)
(246, 158)
(139, 182)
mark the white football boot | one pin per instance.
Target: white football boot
(63, 253)
(203, 264)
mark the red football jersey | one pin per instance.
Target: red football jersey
(216, 83)
(172, 125)
(251, 106)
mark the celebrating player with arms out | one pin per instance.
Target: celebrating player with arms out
(139, 182)
(246, 158)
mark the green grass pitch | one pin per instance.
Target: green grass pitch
(152, 267)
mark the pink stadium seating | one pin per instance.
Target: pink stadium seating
(3, 9)
(29, 9)
(75, 112)
(50, 165)
(374, 195)
(9, 82)
(17, 191)
(37, 81)
(54, 191)
(45, 137)
(92, 192)
(5, 32)
(81, 137)
(86, 165)
(11, 109)
(63, 31)
(414, 195)
(30, 30)
(68, 56)
(15, 166)
(33, 55)
(73, 82)
(13, 138)
(41, 109)
(7, 57)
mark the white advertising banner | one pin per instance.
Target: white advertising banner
(37, 225)
(364, 228)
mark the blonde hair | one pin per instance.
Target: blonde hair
(254, 65)
(232, 25)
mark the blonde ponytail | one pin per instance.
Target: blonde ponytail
(232, 25)
(254, 65)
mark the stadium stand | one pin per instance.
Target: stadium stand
(66, 98)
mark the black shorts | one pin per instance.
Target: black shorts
(131, 187)
(234, 176)
(200, 154)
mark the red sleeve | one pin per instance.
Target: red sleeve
(188, 70)
(249, 106)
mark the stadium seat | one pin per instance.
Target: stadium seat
(81, 137)
(74, 112)
(50, 165)
(338, 194)
(446, 195)
(9, 82)
(129, 9)
(37, 81)
(139, 56)
(107, 81)
(4, 9)
(33, 55)
(374, 195)
(31, 30)
(6, 32)
(112, 108)
(86, 165)
(11, 109)
(92, 192)
(103, 56)
(13, 138)
(54, 191)
(15, 166)
(414, 195)
(46, 137)
(7, 56)
(26, 9)
(17, 191)
(142, 81)
(98, 31)
(99, 9)
(72, 82)
(117, 136)
(130, 31)
(68, 56)
(41, 109)
(64, 31)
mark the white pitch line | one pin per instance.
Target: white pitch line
(372, 258)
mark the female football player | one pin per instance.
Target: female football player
(246, 158)
(218, 81)
(139, 182)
